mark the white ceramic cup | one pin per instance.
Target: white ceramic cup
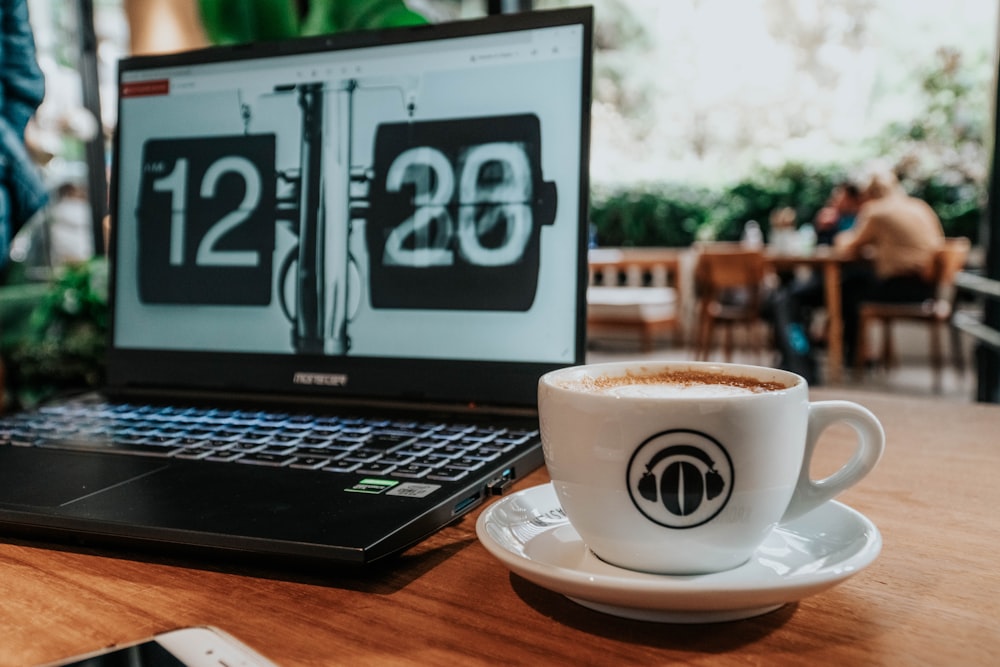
(685, 467)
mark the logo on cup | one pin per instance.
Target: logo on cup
(680, 478)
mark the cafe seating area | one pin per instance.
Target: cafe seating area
(635, 291)
(935, 314)
(909, 353)
(730, 285)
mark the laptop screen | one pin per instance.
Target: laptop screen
(319, 206)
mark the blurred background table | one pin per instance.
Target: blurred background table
(828, 262)
(931, 597)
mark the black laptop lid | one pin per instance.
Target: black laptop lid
(395, 214)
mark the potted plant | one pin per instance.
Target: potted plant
(60, 346)
(239, 21)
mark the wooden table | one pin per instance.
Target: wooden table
(931, 598)
(828, 261)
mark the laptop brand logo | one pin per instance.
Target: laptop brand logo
(681, 478)
(320, 379)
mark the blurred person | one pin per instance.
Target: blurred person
(805, 294)
(783, 236)
(839, 214)
(899, 234)
(22, 87)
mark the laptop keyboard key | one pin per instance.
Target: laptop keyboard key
(364, 455)
(413, 470)
(277, 450)
(265, 459)
(467, 463)
(193, 453)
(484, 454)
(247, 447)
(387, 441)
(223, 456)
(452, 451)
(435, 460)
(377, 468)
(309, 462)
(416, 449)
(448, 474)
(342, 466)
(396, 460)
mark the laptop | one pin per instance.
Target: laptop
(338, 267)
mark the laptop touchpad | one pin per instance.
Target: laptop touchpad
(52, 478)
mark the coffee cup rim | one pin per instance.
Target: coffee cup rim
(555, 379)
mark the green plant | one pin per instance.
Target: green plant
(675, 215)
(661, 216)
(63, 344)
(240, 21)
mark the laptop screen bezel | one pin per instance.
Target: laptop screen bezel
(393, 379)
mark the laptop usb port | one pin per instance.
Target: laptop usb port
(467, 503)
(499, 485)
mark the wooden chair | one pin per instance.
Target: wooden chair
(728, 282)
(634, 289)
(935, 313)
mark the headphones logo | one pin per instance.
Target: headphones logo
(680, 478)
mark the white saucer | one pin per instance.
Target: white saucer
(530, 534)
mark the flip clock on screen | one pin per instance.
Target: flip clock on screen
(455, 219)
(206, 220)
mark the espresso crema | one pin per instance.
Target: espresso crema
(686, 383)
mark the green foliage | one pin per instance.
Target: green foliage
(240, 21)
(667, 216)
(64, 342)
(676, 215)
(951, 127)
(959, 205)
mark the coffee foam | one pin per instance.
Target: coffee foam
(676, 391)
(687, 383)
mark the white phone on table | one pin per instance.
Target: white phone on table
(203, 646)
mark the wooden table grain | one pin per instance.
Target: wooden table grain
(931, 598)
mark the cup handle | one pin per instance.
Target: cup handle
(810, 494)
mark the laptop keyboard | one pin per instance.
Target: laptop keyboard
(405, 449)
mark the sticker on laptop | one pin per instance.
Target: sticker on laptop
(414, 490)
(372, 486)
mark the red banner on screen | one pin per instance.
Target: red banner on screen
(146, 88)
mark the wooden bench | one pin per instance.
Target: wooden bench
(635, 289)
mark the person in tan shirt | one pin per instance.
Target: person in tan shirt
(899, 234)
